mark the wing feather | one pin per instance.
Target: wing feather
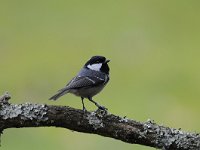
(84, 81)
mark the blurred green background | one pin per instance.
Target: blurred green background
(154, 47)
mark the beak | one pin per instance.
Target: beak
(107, 61)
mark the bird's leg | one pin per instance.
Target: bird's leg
(84, 109)
(99, 106)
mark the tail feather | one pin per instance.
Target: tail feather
(59, 94)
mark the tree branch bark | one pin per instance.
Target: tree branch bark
(97, 122)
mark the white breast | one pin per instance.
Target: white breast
(95, 67)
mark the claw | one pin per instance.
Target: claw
(103, 108)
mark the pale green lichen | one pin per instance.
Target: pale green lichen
(94, 119)
(24, 111)
(166, 137)
(124, 119)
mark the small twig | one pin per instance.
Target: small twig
(4, 98)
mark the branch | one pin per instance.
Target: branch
(98, 122)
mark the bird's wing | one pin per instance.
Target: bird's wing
(84, 81)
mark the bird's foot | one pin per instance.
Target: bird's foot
(101, 111)
(84, 110)
(102, 108)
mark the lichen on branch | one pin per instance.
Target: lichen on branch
(97, 122)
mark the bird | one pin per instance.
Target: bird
(89, 81)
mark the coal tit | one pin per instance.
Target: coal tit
(91, 79)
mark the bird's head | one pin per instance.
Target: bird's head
(98, 63)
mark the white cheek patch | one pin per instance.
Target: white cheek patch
(95, 67)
